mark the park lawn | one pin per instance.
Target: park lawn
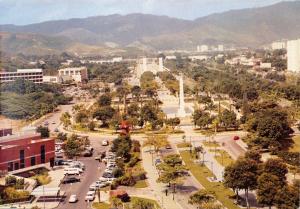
(133, 198)
(141, 184)
(211, 144)
(184, 145)
(227, 160)
(201, 173)
(97, 205)
(296, 145)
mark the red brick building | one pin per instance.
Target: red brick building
(22, 151)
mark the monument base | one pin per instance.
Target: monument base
(181, 113)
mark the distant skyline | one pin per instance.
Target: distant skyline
(21, 12)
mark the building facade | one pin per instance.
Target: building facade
(34, 75)
(278, 45)
(293, 55)
(23, 151)
(78, 74)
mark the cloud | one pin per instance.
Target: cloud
(31, 11)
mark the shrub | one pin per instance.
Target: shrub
(133, 161)
(136, 146)
(126, 180)
(117, 172)
(10, 180)
(11, 193)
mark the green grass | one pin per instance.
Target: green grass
(211, 144)
(201, 173)
(42, 179)
(147, 200)
(184, 145)
(141, 184)
(101, 205)
(133, 198)
(227, 160)
(296, 145)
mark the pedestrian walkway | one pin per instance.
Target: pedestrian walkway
(166, 202)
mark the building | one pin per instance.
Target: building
(220, 47)
(198, 57)
(279, 45)
(203, 48)
(25, 150)
(34, 75)
(50, 79)
(78, 74)
(265, 65)
(293, 55)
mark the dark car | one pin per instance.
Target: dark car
(107, 175)
(70, 179)
(87, 153)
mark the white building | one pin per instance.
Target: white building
(265, 65)
(220, 47)
(198, 57)
(50, 79)
(204, 48)
(170, 57)
(278, 45)
(34, 75)
(293, 55)
(78, 74)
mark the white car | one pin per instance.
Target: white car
(90, 196)
(73, 198)
(71, 171)
(104, 143)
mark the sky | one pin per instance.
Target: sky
(22, 12)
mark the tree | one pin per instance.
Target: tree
(228, 119)
(253, 155)
(267, 187)
(73, 146)
(104, 100)
(148, 113)
(65, 119)
(202, 197)
(122, 92)
(44, 131)
(171, 170)
(122, 146)
(136, 92)
(287, 197)
(276, 167)
(62, 136)
(157, 142)
(142, 204)
(81, 116)
(242, 175)
(104, 114)
(201, 118)
(173, 122)
(133, 110)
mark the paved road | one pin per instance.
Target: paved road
(93, 171)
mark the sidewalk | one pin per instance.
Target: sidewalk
(166, 202)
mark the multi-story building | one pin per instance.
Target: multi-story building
(278, 45)
(22, 151)
(78, 74)
(293, 55)
(34, 75)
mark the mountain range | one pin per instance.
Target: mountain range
(116, 33)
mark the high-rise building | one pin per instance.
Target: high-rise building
(293, 55)
(278, 45)
(220, 47)
(204, 48)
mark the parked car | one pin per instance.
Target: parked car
(87, 153)
(71, 171)
(56, 130)
(73, 198)
(105, 143)
(90, 196)
(70, 179)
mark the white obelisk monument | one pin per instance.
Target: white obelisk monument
(181, 111)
